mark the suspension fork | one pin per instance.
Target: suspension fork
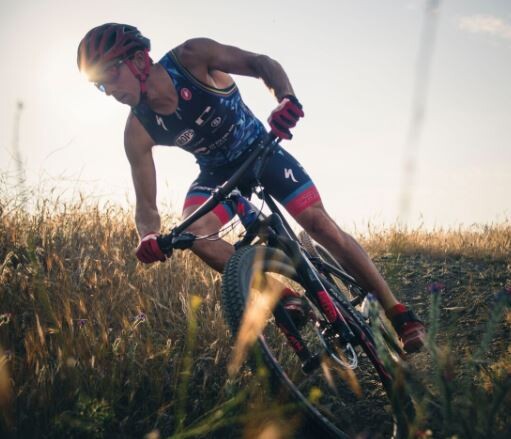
(310, 278)
(293, 336)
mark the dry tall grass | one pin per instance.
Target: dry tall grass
(94, 343)
(86, 329)
(477, 240)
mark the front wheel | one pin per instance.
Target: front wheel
(350, 393)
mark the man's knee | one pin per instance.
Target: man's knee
(314, 219)
(318, 223)
(209, 224)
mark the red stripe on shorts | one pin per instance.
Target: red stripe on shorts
(306, 199)
(220, 211)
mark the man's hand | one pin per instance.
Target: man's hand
(148, 250)
(285, 117)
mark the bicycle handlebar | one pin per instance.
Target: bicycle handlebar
(176, 238)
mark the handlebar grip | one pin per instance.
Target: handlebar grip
(273, 136)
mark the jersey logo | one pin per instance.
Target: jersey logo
(288, 173)
(216, 121)
(185, 137)
(201, 119)
(160, 122)
(186, 94)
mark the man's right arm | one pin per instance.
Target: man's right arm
(203, 56)
(138, 146)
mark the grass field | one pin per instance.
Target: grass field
(93, 344)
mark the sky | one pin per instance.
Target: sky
(353, 65)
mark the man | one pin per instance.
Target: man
(188, 99)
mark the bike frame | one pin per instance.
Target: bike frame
(278, 233)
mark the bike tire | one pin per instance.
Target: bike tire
(340, 415)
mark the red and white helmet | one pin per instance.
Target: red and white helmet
(105, 44)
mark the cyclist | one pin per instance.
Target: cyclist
(189, 99)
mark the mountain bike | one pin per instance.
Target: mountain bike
(335, 365)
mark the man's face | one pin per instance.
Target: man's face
(118, 80)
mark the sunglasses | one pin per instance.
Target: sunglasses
(109, 75)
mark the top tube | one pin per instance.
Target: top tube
(219, 194)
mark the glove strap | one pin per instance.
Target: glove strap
(293, 99)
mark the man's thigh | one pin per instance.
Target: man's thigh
(201, 189)
(285, 179)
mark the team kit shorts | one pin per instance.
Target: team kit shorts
(282, 177)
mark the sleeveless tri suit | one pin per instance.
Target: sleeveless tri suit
(218, 128)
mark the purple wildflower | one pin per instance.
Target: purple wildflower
(140, 317)
(81, 322)
(371, 297)
(436, 287)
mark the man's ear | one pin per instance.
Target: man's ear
(139, 59)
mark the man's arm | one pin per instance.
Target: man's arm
(202, 55)
(138, 146)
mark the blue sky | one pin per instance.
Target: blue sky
(353, 66)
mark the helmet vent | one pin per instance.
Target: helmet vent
(97, 41)
(110, 42)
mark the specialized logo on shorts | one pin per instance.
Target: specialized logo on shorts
(185, 137)
(186, 94)
(288, 173)
(216, 121)
(160, 122)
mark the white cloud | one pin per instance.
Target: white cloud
(487, 24)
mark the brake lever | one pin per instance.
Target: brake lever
(168, 243)
(183, 241)
(165, 243)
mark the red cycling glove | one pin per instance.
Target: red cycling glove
(148, 251)
(285, 117)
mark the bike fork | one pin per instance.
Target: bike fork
(310, 362)
(288, 328)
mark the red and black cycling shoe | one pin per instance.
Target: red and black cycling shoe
(410, 330)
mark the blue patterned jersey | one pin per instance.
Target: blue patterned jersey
(213, 124)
